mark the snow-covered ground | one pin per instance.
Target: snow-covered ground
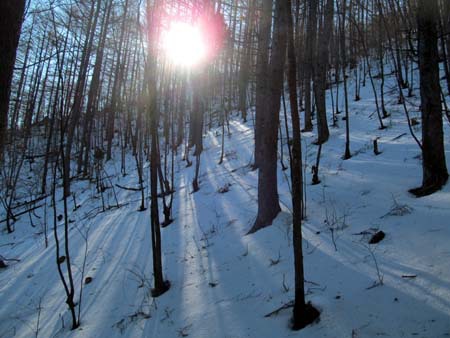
(223, 283)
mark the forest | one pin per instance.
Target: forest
(224, 168)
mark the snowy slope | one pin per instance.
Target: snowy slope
(223, 282)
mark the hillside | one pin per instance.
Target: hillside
(223, 282)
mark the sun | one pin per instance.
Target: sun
(184, 44)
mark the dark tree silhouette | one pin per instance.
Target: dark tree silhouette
(435, 173)
(303, 313)
(11, 16)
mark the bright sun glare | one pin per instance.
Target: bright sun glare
(184, 44)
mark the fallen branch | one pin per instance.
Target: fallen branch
(129, 188)
(19, 205)
(6, 244)
(398, 137)
(23, 212)
(9, 259)
(363, 233)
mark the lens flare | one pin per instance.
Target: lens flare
(184, 44)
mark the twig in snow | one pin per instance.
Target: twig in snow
(285, 287)
(245, 254)
(275, 261)
(39, 308)
(281, 308)
(379, 275)
(9, 259)
(128, 188)
(183, 332)
(398, 137)
(398, 209)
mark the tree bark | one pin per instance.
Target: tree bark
(11, 17)
(320, 81)
(435, 173)
(262, 78)
(268, 202)
(309, 64)
(244, 71)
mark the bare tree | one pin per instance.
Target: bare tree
(160, 285)
(303, 314)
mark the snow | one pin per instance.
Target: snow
(223, 282)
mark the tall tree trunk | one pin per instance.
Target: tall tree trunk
(343, 51)
(160, 285)
(309, 64)
(244, 69)
(198, 109)
(320, 82)
(268, 202)
(262, 78)
(11, 16)
(181, 110)
(303, 314)
(435, 173)
(381, 52)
